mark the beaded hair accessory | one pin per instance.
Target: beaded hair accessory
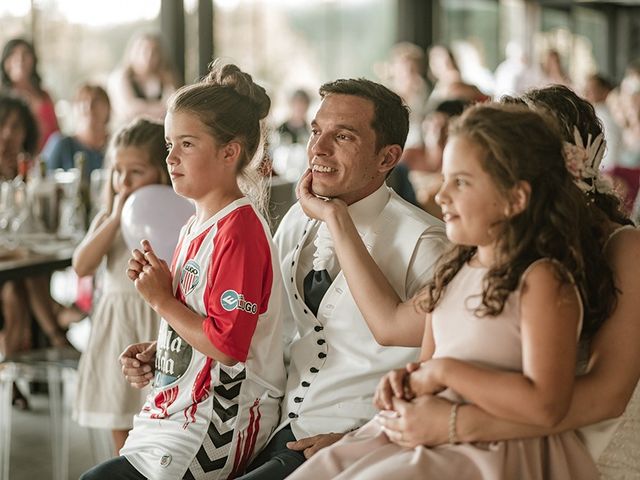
(583, 162)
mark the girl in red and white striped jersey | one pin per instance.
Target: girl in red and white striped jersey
(219, 370)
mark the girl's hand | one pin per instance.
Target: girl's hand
(428, 379)
(154, 282)
(313, 206)
(412, 367)
(138, 363)
(119, 200)
(392, 384)
(136, 262)
(422, 421)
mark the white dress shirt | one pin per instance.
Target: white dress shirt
(333, 361)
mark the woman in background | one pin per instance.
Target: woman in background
(144, 82)
(20, 76)
(92, 110)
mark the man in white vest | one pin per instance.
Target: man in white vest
(333, 360)
(334, 363)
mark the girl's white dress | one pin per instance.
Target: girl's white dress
(104, 398)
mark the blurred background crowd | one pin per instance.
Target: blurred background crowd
(85, 69)
(73, 72)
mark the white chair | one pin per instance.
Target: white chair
(57, 367)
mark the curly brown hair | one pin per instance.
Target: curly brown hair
(521, 145)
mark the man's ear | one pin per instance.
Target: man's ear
(231, 153)
(390, 157)
(520, 195)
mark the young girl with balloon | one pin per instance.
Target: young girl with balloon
(121, 317)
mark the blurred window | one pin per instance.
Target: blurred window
(76, 40)
(290, 44)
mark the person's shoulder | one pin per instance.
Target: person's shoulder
(624, 246)
(411, 212)
(242, 222)
(545, 274)
(290, 225)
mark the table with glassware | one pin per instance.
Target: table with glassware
(33, 254)
(41, 221)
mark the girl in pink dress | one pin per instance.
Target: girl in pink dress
(503, 311)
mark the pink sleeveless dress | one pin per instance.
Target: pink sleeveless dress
(493, 342)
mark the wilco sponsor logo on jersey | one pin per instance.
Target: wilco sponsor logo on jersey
(232, 300)
(190, 277)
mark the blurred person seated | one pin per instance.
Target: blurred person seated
(425, 163)
(472, 66)
(92, 111)
(464, 91)
(20, 76)
(20, 299)
(630, 154)
(404, 74)
(296, 129)
(144, 81)
(596, 90)
(515, 75)
(400, 182)
(552, 70)
(442, 71)
(626, 184)
(619, 96)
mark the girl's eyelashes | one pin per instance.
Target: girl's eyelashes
(183, 144)
(460, 182)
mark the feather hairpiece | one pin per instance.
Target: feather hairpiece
(583, 162)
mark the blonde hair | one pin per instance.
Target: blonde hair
(146, 135)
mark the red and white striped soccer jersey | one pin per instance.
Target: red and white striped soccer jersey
(204, 420)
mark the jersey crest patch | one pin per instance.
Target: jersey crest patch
(232, 300)
(190, 277)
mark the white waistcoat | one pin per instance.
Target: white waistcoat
(334, 362)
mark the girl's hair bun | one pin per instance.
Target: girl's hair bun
(230, 75)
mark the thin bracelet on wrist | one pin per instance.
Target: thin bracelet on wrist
(453, 417)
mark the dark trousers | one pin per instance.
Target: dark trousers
(276, 461)
(116, 468)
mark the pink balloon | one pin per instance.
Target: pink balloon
(155, 213)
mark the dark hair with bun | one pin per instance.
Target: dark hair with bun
(232, 107)
(569, 110)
